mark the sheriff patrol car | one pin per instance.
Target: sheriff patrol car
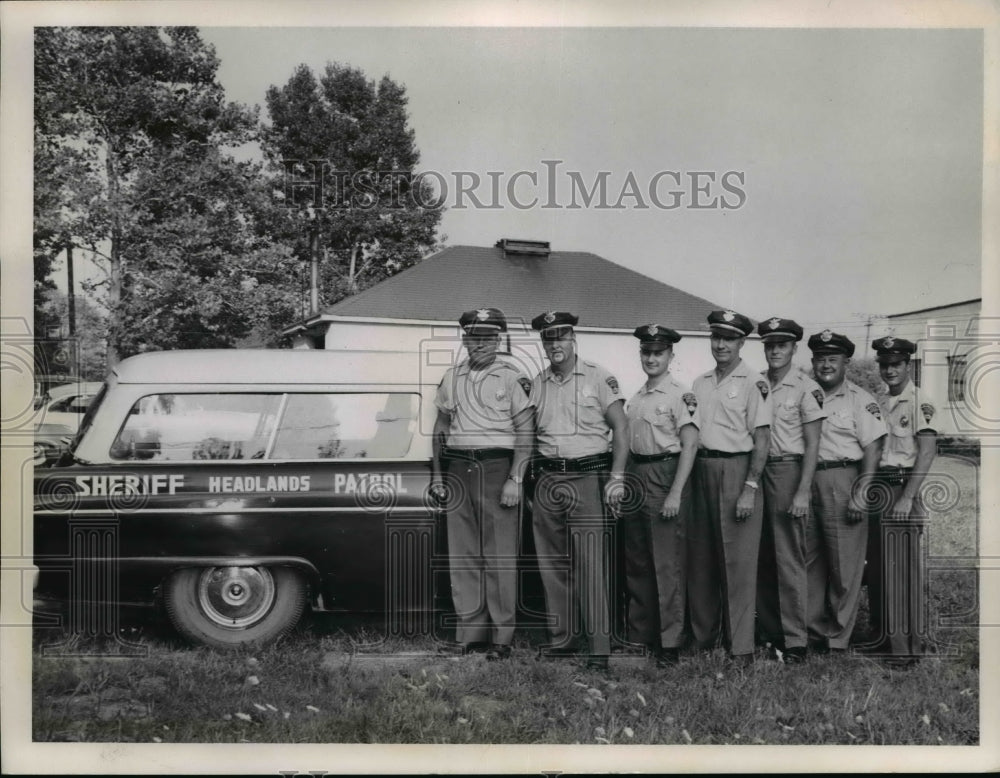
(240, 486)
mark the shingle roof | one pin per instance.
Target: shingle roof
(460, 278)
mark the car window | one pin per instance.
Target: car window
(346, 426)
(186, 427)
(72, 404)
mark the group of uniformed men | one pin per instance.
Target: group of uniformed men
(748, 505)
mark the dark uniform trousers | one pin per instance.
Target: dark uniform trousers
(781, 565)
(655, 553)
(897, 598)
(722, 555)
(572, 540)
(835, 556)
(482, 550)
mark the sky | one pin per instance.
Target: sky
(852, 157)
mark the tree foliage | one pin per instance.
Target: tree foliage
(131, 134)
(370, 223)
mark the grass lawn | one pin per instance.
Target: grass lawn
(336, 683)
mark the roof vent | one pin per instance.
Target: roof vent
(524, 248)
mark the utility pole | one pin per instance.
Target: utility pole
(868, 330)
(70, 298)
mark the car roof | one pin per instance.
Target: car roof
(278, 366)
(77, 387)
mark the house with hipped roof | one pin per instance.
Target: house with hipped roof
(418, 309)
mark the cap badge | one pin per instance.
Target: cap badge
(888, 343)
(826, 336)
(728, 315)
(482, 314)
(773, 324)
(549, 317)
(652, 329)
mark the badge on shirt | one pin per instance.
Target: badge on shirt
(762, 385)
(872, 408)
(525, 384)
(691, 402)
(928, 411)
(613, 383)
(904, 422)
(732, 394)
(818, 394)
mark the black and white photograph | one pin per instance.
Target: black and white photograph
(499, 387)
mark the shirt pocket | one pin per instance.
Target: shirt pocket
(790, 413)
(901, 439)
(590, 397)
(731, 413)
(844, 424)
(660, 417)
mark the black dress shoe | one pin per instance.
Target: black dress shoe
(667, 657)
(741, 660)
(557, 652)
(595, 662)
(477, 647)
(795, 655)
(900, 662)
(498, 653)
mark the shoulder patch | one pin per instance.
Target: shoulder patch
(613, 383)
(690, 401)
(873, 409)
(525, 384)
(928, 411)
(818, 394)
(762, 385)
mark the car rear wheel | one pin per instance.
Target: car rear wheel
(228, 607)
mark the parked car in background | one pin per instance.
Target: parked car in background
(65, 404)
(238, 487)
(51, 441)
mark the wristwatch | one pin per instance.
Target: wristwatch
(516, 479)
(752, 484)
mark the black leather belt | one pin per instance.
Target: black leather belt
(477, 454)
(785, 458)
(893, 474)
(837, 463)
(643, 458)
(580, 465)
(711, 453)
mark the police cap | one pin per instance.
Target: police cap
(777, 329)
(730, 323)
(889, 347)
(827, 342)
(656, 334)
(553, 324)
(483, 321)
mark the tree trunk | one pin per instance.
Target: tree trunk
(116, 269)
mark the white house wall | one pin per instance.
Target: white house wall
(618, 352)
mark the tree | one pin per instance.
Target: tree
(371, 222)
(131, 128)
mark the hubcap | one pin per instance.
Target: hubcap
(236, 597)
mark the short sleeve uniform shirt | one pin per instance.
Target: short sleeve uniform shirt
(656, 415)
(483, 403)
(570, 413)
(904, 416)
(732, 409)
(853, 420)
(796, 400)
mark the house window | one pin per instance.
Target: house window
(956, 378)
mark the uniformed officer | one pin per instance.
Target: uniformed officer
(578, 406)
(836, 531)
(482, 440)
(663, 426)
(896, 592)
(724, 533)
(786, 485)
